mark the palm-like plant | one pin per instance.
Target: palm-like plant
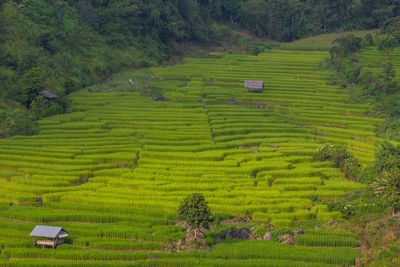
(387, 186)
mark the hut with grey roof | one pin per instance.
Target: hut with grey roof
(48, 95)
(254, 86)
(54, 235)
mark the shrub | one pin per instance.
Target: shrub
(340, 158)
(15, 119)
(195, 211)
(387, 186)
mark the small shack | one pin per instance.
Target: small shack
(254, 86)
(48, 95)
(54, 235)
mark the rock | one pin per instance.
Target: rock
(286, 239)
(275, 146)
(180, 242)
(252, 230)
(267, 237)
(199, 100)
(260, 107)
(298, 232)
(247, 219)
(231, 234)
(331, 222)
(161, 99)
(152, 257)
(189, 236)
(259, 238)
(244, 233)
(344, 86)
(198, 234)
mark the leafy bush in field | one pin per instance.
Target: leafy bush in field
(340, 158)
(15, 119)
(387, 157)
(194, 210)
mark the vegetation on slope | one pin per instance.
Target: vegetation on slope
(68, 45)
(114, 171)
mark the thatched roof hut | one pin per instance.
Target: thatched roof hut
(254, 86)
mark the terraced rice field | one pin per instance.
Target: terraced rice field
(113, 171)
(372, 60)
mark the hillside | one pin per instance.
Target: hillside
(114, 170)
(151, 109)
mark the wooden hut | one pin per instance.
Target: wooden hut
(54, 235)
(254, 86)
(48, 95)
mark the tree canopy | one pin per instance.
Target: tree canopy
(195, 211)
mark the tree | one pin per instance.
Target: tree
(34, 83)
(387, 157)
(195, 211)
(253, 14)
(389, 74)
(369, 39)
(387, 186)
(386, 43)
(349, 44)
(15, 119)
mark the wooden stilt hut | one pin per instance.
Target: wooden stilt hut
(54, 235)
(254, 86)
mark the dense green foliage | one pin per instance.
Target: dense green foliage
(64, 46)
(77, 44)
(341, 158)
(287, 20)
(14, 119)
(195, 212)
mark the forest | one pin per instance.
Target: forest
(62, 46)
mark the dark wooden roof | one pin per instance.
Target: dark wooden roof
(48, 95)
(48, 231)
(254, 84)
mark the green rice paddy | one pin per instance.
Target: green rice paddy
(113, 171)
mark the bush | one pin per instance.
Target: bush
(387, 157)
(15, 120)
(254, 50)
(369, 40)
(195, 211)
(340, 158)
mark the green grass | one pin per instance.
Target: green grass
(323, 41)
